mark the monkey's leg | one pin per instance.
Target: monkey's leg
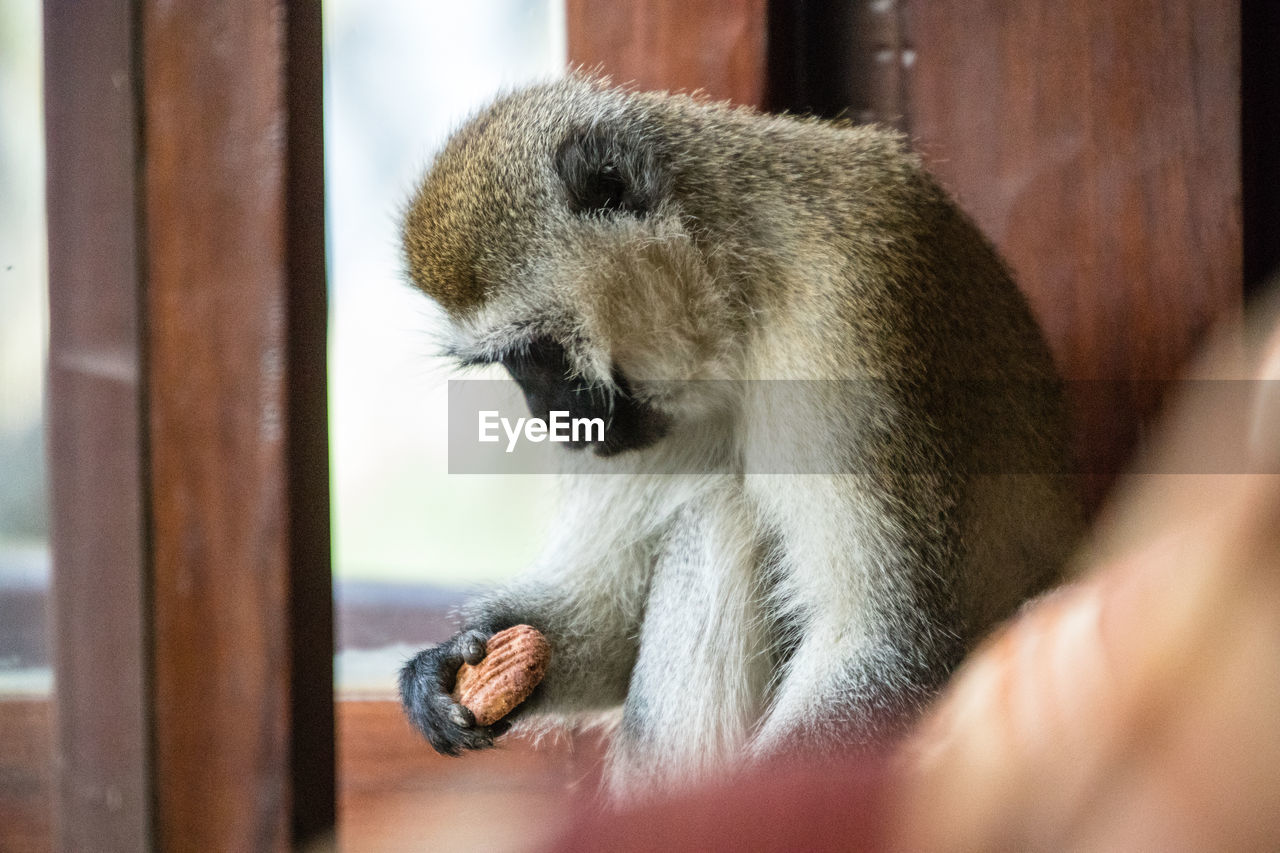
(700, 681)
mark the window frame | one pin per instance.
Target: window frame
(191, 589)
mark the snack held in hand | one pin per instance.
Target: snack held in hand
(514, 663)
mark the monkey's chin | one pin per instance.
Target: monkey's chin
(623, 441)
(604, 450)
(634, 426)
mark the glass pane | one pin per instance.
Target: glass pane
(409, 539)
(25, 679)
(399, 76)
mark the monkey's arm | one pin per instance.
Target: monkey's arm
(701, 678)
(584, 596)
(901, 552)
(867, 534)
(879, 628)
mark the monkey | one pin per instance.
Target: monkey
(836, 449)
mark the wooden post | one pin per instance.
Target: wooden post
(188, 425)
(96, 431)
(1098, 145)
(716, 46)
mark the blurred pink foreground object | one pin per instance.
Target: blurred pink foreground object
(1138, 709)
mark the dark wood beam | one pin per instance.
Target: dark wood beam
(1098, 145)
(188, 425)
(96, 427)
(716, 46)
(235, 339)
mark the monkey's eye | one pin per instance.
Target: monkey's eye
(603, 173)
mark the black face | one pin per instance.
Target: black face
(543, 372)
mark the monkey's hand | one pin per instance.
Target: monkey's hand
(425, 684)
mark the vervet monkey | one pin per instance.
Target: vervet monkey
(864, 421)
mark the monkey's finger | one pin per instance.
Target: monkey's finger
(475, 739)
(441, 669)
(472, 646)
(461, 716)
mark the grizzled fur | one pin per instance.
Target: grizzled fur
(615, 249)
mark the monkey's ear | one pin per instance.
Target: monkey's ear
(605, 171)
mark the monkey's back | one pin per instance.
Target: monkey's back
(861, 270)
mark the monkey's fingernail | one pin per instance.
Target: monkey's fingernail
(473, 650)
(461, 717)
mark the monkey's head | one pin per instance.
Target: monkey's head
(558, 230)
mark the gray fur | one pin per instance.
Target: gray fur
(737, 610)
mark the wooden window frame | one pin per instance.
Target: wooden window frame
(187, 433)
(187, 425)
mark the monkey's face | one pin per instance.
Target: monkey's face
(551, 230)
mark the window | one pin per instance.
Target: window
(409, 538)
(24, 549)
